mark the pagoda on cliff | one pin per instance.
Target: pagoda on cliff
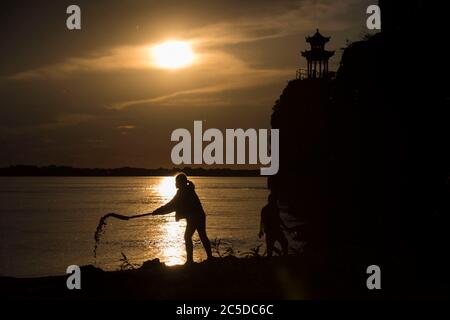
(317, 56)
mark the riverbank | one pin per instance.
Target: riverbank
(292, 277)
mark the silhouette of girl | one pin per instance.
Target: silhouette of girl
(187, 205)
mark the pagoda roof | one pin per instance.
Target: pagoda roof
(317, 38)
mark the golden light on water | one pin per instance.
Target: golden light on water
(173, 251)
(173, 54)
(166, 187)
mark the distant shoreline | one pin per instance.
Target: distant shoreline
(65, 171)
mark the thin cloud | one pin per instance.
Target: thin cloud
(126, 127)
(296, 18)
(114, 59)
(235, 77)
(60, 121)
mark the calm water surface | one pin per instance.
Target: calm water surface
(48, 223)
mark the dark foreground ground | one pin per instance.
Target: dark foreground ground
(294, 277)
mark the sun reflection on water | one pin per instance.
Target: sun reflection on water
(172, 249)
(166, 187)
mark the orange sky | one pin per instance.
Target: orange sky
(92, 98)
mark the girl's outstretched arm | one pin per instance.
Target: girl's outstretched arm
(169, 207)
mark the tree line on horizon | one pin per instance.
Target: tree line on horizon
(53, 170)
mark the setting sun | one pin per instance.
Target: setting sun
(173, 54)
